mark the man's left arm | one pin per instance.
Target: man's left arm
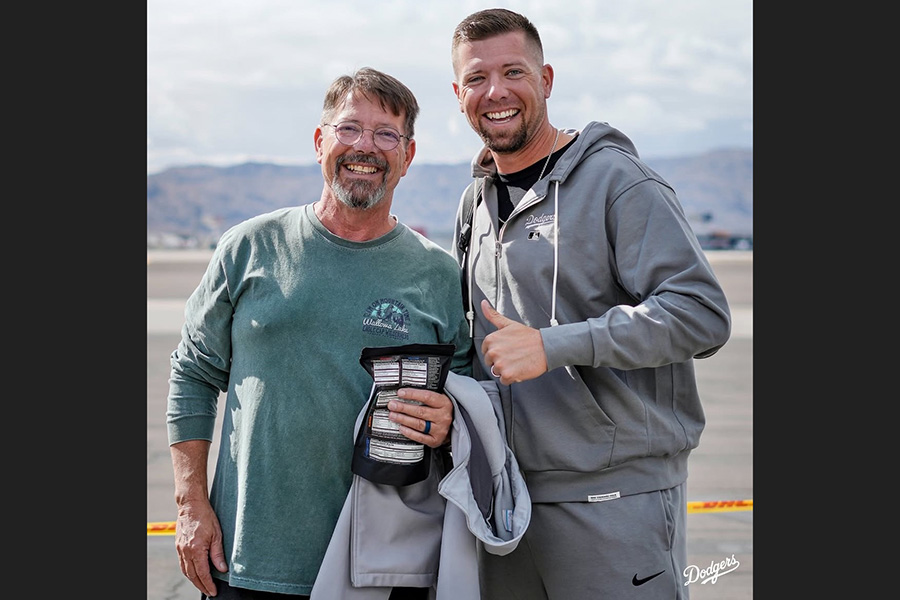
(678, 309)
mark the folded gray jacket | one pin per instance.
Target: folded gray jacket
(426, 534)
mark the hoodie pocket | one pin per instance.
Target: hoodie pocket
(558, 425)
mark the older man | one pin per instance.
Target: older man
(277, 323)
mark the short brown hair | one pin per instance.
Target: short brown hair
(374, 85)
(488, 23)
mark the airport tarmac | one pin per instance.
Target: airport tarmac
(721, 468)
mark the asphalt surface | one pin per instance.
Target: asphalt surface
(721, 468)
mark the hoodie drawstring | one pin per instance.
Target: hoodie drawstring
(553, 321)
(470, 314)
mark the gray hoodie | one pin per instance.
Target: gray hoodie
(600, 258)
(426, 534)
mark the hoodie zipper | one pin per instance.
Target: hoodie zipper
(498, 243)
(498, 250)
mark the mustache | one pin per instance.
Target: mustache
(364, 159)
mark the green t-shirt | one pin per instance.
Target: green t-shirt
(278, 323)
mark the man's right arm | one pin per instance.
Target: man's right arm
(198, 535)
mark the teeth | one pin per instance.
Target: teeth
(362, 169)
(502, 115)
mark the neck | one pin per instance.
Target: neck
(547, 141)
(355, 224)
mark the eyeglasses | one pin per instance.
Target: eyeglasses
(349, 134)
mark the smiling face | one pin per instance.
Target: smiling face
(502, 87)
(362, 175)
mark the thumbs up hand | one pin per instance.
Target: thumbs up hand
(515, 352)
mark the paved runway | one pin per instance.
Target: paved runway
(721, 468)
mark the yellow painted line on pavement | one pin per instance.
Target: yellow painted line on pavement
(161, 528)
(719, 506)
(168, 527)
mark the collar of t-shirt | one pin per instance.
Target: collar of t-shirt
(511, 187)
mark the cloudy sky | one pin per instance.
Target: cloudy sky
(231, 81)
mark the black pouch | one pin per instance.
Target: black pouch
(381, 453)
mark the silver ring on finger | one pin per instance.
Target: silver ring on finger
(494, 373)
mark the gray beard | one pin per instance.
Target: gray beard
(359, 194)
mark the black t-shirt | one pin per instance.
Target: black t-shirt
(512, 186)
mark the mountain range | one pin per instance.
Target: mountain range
(192, 206)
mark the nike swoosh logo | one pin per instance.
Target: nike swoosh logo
(635, 581)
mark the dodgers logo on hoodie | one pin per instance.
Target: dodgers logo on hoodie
(536, 224)
(387, 317)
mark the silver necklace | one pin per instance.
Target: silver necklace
(546, 162)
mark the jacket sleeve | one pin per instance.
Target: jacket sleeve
(673, 307)
(485, 482)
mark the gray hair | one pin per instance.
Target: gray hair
(374, 85)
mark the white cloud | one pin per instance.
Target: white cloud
(230, 80)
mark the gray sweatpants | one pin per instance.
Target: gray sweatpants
(633, 547)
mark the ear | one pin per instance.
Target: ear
(456, 90)
(318, 141)
(547, 78)
(410, 153)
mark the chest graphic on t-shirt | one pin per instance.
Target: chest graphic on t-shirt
(387, 317)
